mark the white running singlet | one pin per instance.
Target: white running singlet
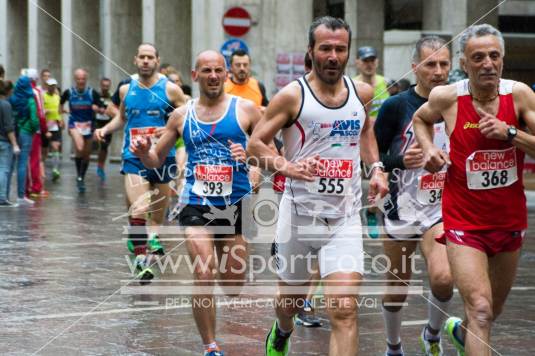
(334, 134)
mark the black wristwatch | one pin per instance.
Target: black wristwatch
(511, 133)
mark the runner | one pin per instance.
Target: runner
(413, 212)
(54, 121)
(84, 102)
(214, 128)
(325, 131)
(483, 205)
(102, 119)
(145, 102)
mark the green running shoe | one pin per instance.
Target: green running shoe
(55, 175)
(277, 345)
(144, 273)
(450, 326)
(373, 225)
(154, 246)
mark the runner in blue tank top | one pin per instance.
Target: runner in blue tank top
(145, 102)
(84, 102)
(215, 129)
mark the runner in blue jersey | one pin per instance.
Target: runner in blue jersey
(84, 102)
(215, 129)
(145, 102)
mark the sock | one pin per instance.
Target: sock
(437, 312)
(211, 346)
(83, 167)
(392, 325)
(283, 333)
(78, 163)
(394, 349)
(138, 235)
(55, 160)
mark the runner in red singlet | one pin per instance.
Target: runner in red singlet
(483, 204)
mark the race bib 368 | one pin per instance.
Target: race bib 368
(491, 169)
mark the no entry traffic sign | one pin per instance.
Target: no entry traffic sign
(236, 21)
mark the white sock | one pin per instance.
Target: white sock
(392, 326)
(212, 346)
(437, 311)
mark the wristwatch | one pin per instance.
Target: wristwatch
(511, 133)
(377, 164)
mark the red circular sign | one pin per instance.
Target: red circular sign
(236, 21)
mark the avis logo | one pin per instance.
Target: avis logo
(344, 128)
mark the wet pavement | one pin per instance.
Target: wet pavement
(66, 289)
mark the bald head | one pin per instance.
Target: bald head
(80, 78)
(209, 56)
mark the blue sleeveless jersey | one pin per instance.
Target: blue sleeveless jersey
(145, 110)
(209, 156)
(80, 105)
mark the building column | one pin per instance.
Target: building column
(66, 44)
(148, 14)
(105, 36)
(4, 54)
(16, 37)
(33, 34)
(49, 36)
(370, 33)
(173, 34)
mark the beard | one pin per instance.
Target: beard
(146, 74)
(320, 69)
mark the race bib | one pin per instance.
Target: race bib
(491, 169)
(52, 125)
(430, 188)
(84, 128)
(150, 132)
(212, 180)
(333, 178)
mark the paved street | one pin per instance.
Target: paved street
(66, 289)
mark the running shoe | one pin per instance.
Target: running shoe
(390, 350)
(212, 352)
(373, 228)
(25, 202)
(8, 204)
(144, 272)
(430, 347)
(154, 246)
(277, 345)
(80, 184)
(55, 175)
(307, 320)
(41, 194)
(450, 327)
(101, 174)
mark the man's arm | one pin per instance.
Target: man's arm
(64, 98)
(368, 146)
(497, 129)
(175, 95)
(281, 111)
(118, 120)
(385, 128)
(423, 121)
(154, 157)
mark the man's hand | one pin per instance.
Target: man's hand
(48, 134)
(413, 157)
(16, 150)
(237, 152)
(140, 146)
(435, 159)
(303, 169)
(378, 186)
(100, 134)
(491, 127)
